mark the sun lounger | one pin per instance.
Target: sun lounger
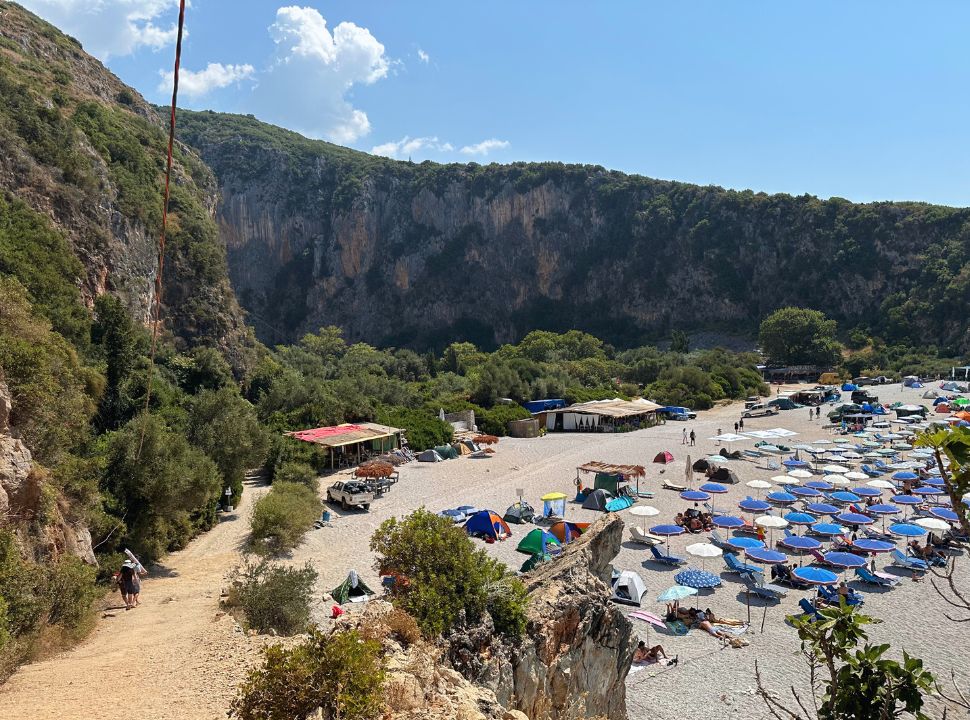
(808, 609)
(871, 471)
(904, 561)
(668, 485)
(717, 540)
(712, 511)
(762, 589)
(876, 578)
(818, 558)
(735, 564)
(874, 534)
(639, 535)
(665, 559)
(938, 561)
(831, 596)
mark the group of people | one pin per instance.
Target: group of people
(688, 438)
(926, 552)
(644, 655)
(129, 583)
(815, 414)
(700, 619)
(695, 521)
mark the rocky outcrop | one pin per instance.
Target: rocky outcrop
(22, 498)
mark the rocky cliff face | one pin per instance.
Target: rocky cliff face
(25, 499)
(422, 254)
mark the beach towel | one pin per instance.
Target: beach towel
(733, 630)
(676, 627)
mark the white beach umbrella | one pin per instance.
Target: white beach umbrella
(704, 551)
(933, 524)
(837, 469)
(785, 480)
(758, 485)
(881, 484)
(856, 475)
(799, 473)
(838, 480)
(644, 511)
(771, 522)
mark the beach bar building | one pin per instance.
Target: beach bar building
(351, 443)
(603, 416)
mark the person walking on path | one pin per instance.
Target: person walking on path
(693, 438)
(818, 412)
(741, 424)
(683, 437)
(128, 580)
(736, 426)
(811, 415)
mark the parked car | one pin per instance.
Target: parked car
(882, 380)
(751, 401)
(829, 378)
(350, 494)
(783, 403)
(675, 412)
(759, 409)
(863, 381)
(863, 396)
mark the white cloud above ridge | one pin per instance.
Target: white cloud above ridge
(312, 72)
(196, 84)
(484, 147)
(423, 56)
(112, 28)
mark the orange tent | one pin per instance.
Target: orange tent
(567, 531)
(962, 415)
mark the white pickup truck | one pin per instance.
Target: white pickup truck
(350, 494)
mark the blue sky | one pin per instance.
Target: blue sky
(864, 100)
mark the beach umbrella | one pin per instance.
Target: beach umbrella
(820, 485)
(844, 559)
(806, 492)
(821, 508)
(907, 500)
(758, 485)
(699, 579)
(695, 495)
(867, 491)
(800, 518)
(822, 442)
(766, 556)
(676, 593)
(883, 484)
(704, 550)
(644, 511)
(801, 474)
(745, 543)
(782, 498)
(773, 449)
(883, 509)
(886, 453)
(728, 522)
(873, 546)
(714, 489)
(800, 542)
(845, 497)
(927, 490)
(905, 475)
(815, 576)
(840, 480)
(836, 469)
(688, 472)
(932, 523)
(791, 463)
(667, 531)
(856, 475)
(785, 480)
(935, 481)
(772, 522)
(752, 505)
(829, 529)
(945, 514)
(907, 530)
(852, 455)
(851, 518)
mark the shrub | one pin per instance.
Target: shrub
(495, 421)
(273, 597)
(299, 473)
(341, 673)
(403, 627)
(444, 575)
(424, 430)
(282, 516)
(69, 590)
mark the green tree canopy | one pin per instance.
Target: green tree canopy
(799, 336)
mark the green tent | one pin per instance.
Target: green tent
(536, 559)
(352, 589)
(447, 452)
(608, 482)
(533, 542)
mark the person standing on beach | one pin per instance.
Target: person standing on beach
(811, 415)
(693, 438)
(683, 437)
(741, 424)
(736, 426)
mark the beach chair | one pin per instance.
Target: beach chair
(639, 535)
(759, 587)
(712, 511)
(936, 561)
(808, 609)
(871, 471)
(911, 563)
(664, 559)
(736, 564)
(832, 597)
(668, 485)
(874, 534)
(876, 578)
(818, 558)
(718, 541)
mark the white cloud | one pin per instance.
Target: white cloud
(484, 147)
(423, 56)
(408, 146)
(312, 71)
(198, 83)
(109, 28)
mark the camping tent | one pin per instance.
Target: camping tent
(447, 452)
(520, 512)
(352, 589)
(910, 381)
(907, 410)
(597, 500)
(429, 456)
(539, 541)
(566, 532)
(724, 475)
(553, 505)
(628, 588)
(619, 503)
(535, 560)
(663, 458)
(701, 465)
(487, 524)
(609, 482)
(930, 395)
(849, 387)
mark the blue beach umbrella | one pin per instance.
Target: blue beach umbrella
(883, 509)
(907, 530)
(782, 498)
(699, 579)
(935, 481)
(745, 543)
(828, 529)
(800, 542)
(907, 500)
(751, 505)
(927, 490)
(815, 576)
(873, 546)
(791, 463)
(695, 495)
(800, 518)
(905, 475)
(820, 485)
(844, 559)
(677, 592)
(851, 518)
(667, 531)
(766, 556)
(822, 508)
(945, 514)
(713, 487)
(806, 491)
(845, 497)
(867, 491)
(728, 522)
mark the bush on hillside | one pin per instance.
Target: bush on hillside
(342, 673)
(282, 516)
(495, 421)
(422, 428)
(273, 597)
(444, 575)
(299, 473)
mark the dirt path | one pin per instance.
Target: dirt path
(173, 657)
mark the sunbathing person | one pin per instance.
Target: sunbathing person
(700, 620)
(680, 520)
(649, 656)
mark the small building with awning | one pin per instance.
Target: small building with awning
(351, 443)
(603, 416)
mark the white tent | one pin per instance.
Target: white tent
(628, 588)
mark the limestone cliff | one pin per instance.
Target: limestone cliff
(420, 254)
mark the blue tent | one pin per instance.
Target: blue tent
(537, 406)
(485, 523)
(849, 387)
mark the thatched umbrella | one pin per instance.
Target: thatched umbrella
(484, 439)
(375, 469)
